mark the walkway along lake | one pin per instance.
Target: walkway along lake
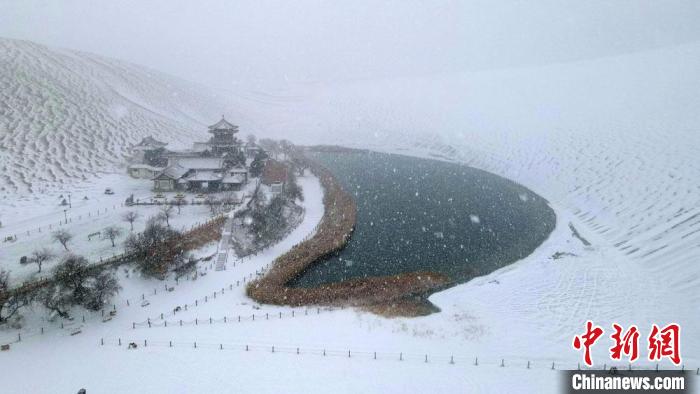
(421, 215)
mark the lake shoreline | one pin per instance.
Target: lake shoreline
(392, 295)
(333, 233)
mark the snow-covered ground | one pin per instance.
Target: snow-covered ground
(33, 222)
(612, 143)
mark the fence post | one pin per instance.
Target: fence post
(503, 364)
(19, 337)
(426, 358)
(273, 348)
(102, 341)
(246, 348)
(476, 361)
(552, 364)
(452, 359)
(120, 341)
(145, 343)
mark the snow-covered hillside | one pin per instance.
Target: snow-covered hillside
(612, 142)
(65, 116)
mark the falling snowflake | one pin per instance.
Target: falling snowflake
(474, 219)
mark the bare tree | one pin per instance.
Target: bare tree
(130, 217)
(166, 212)
(10, 302)
(179, 202)
(250, 138)
(112, 232)
(152, 250)
(213, 204)
(102, 288)
(39, 257)
(74, 283)
(62, 236)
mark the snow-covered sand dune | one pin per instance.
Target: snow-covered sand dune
(65, 116)
(611, 142)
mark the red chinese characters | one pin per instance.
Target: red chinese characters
(665, 342)
(587, 340)
(662, 342)
(627, 344)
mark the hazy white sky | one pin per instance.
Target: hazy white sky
(268, 42)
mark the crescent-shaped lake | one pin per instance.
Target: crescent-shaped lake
(417, 214)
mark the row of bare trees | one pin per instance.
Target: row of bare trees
(63, 237)
(73, 283)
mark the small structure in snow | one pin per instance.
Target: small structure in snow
(275, 176)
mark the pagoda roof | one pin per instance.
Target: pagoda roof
(223, 124)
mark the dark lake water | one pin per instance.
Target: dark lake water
(427, 215)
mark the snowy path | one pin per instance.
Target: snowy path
(225, 248)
